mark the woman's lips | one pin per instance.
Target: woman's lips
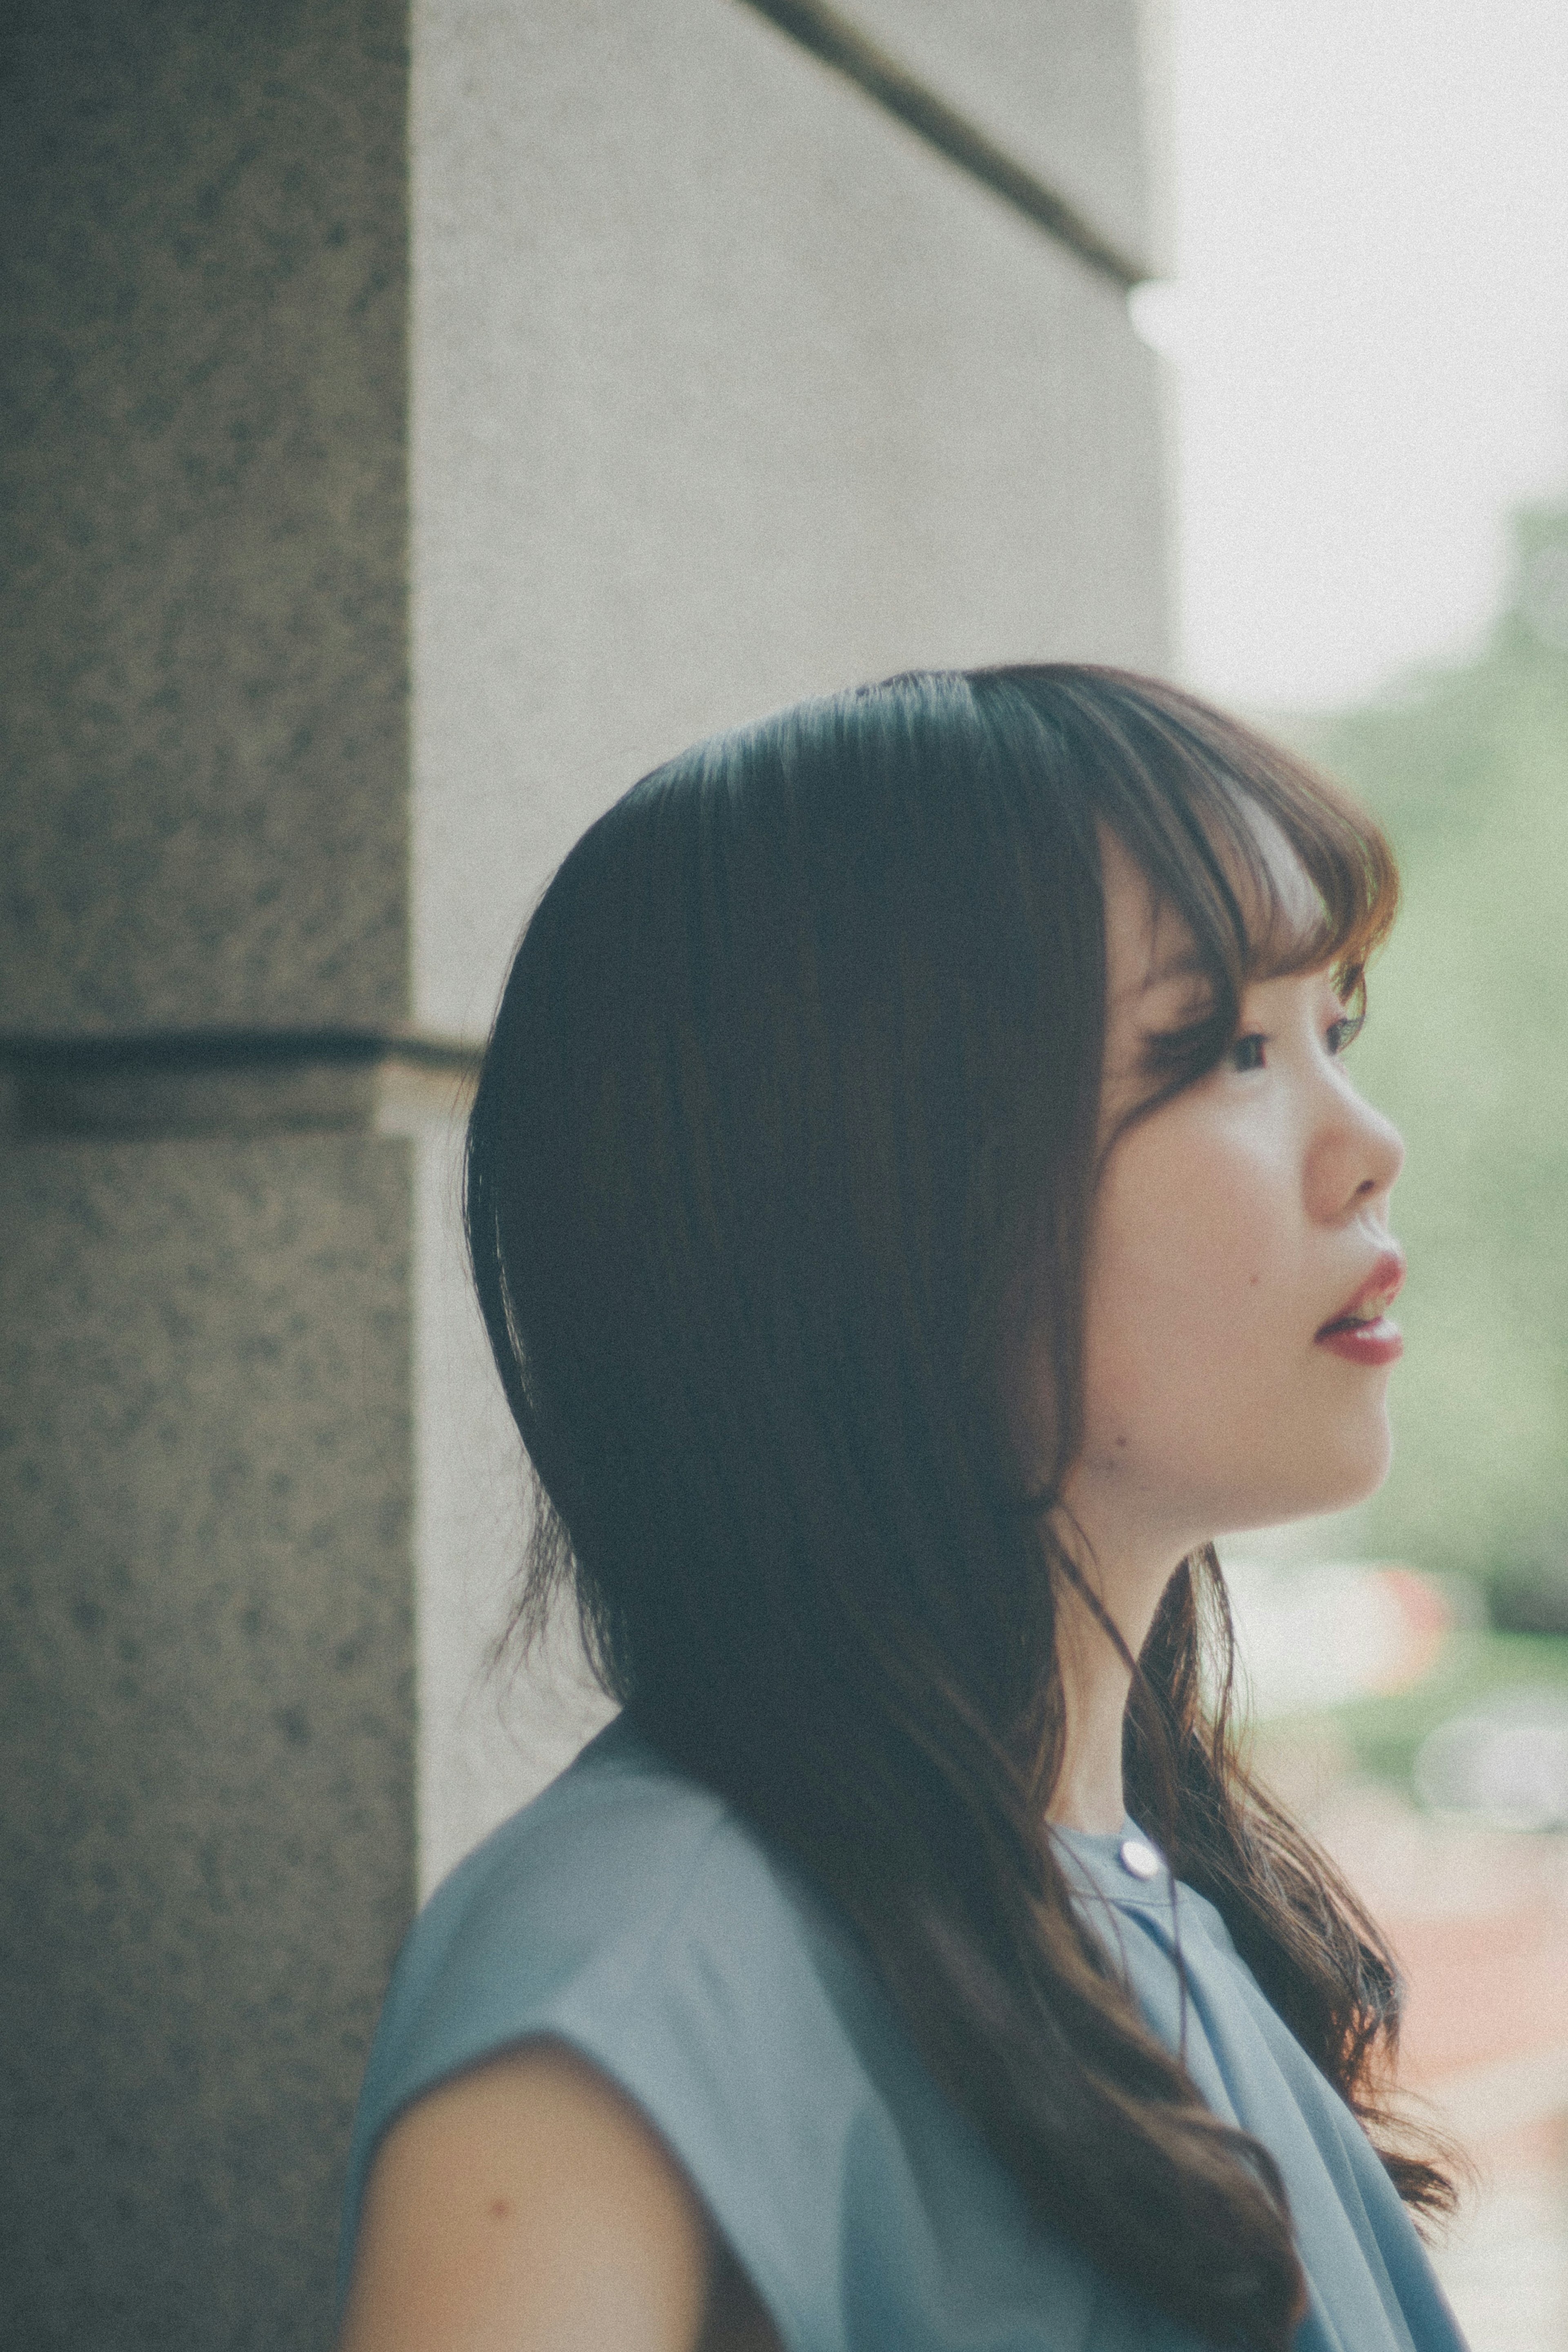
(1362, 1333)
(1377, 1342)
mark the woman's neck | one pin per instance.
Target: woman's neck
(1095, 1682)
(1089, 1794)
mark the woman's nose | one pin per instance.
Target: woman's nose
(1354, 1160)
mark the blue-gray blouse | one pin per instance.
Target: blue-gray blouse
(629, 1913)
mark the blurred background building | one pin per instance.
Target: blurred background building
(417, 421)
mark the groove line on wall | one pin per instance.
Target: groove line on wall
(841, 44)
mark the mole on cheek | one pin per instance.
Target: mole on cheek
(499, 2208)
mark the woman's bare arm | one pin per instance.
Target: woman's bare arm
(529, 2207)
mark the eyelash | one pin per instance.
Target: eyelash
(1338, 1036)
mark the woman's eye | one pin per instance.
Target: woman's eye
(1343, 1032)
(1247, 1054)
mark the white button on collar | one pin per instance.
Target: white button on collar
(1139, 1859)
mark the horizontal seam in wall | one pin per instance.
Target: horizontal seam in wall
(239, 1082)
(235, 1049)
(843, 46)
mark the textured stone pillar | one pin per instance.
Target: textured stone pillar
(416, 425)
(205, 1308)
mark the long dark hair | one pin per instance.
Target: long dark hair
(796, 1074)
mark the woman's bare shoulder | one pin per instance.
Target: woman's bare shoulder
(528, 2203)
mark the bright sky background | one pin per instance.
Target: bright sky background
(1369, 326)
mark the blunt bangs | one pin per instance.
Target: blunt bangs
(1204, 806)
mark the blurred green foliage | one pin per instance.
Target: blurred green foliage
(1467, 1049)
(1383, 1734)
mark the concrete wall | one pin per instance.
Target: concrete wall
(203, 598)
(727, 390)
(204, 1688)
(601, 375)
(206, 1672)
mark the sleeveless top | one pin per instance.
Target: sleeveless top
(631, 1914)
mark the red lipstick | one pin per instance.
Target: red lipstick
(1362, 1332)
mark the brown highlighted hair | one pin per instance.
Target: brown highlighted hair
(796, 1073)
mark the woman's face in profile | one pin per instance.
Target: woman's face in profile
(1235, 1229)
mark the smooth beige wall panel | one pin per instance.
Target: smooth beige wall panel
(726, 389)
(492, 1729)
(1064, 85)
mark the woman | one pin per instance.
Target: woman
(917, 1205)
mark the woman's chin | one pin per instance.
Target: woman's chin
(1331, 1479)
(1348, 1475)
(1369, 1462)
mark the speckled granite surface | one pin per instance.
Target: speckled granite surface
(207, 1687)
(203, 713)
